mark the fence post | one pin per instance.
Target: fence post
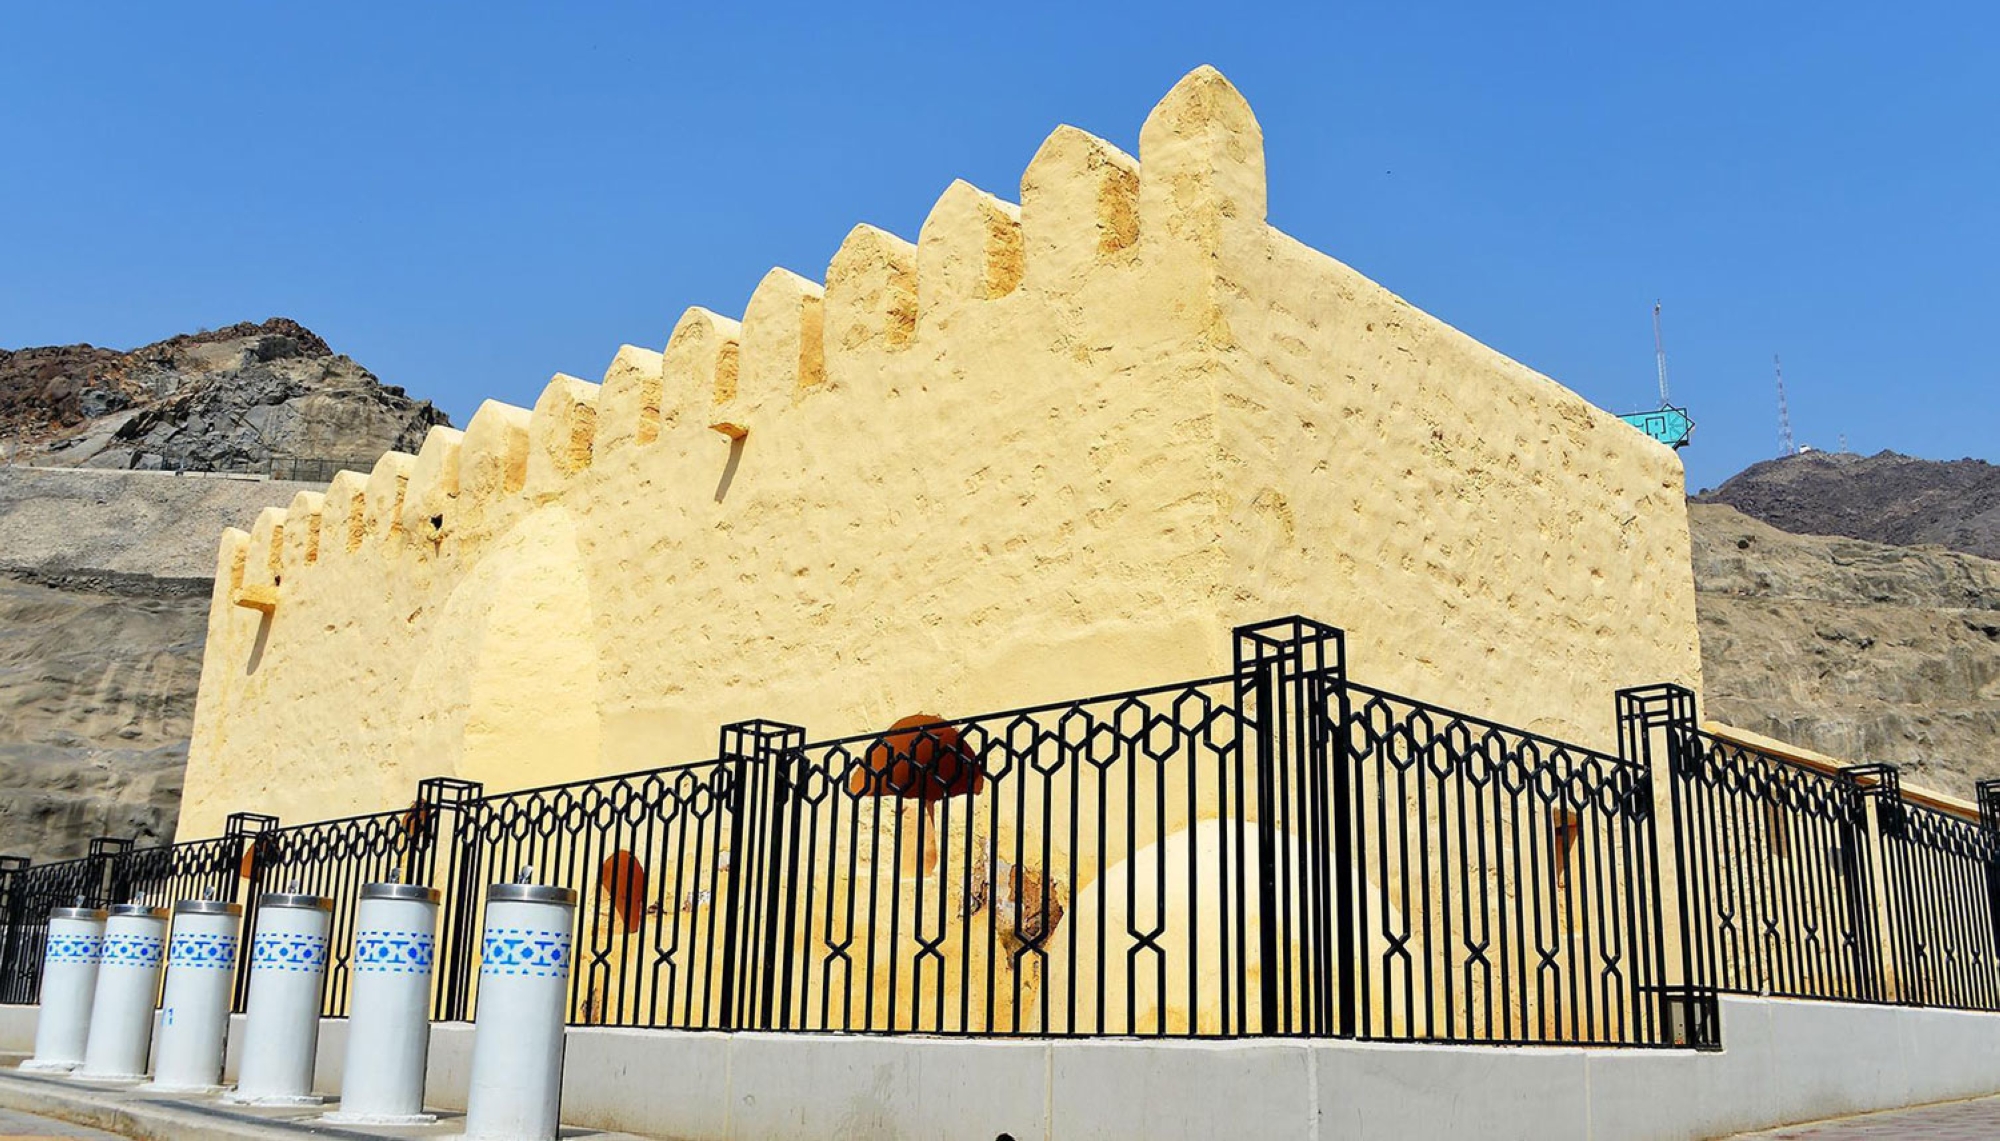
(106, 853)
(10, 908)
(1989, 822)
(1288, 669)
(260, 850)
(444, 817)
(1658, 723)
(1877, 816)
(244, 828)
(760, 755)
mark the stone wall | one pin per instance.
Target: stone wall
(1046, 450)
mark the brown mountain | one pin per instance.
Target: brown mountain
(1884, 498)
(234, 399)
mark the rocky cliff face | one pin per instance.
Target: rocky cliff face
(96, 700)
(1860, 650)
(233, 399)
(106, 562)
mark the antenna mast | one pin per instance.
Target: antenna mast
(1785, 445)
(1660, 354)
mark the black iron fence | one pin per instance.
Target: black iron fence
(1275, 851)
(1511, 889)
(1813, 882)
(1939, 872)
(300, 469)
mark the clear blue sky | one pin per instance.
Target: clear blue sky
(469, 198)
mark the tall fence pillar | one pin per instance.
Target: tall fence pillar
(761, 905)
(1656, 731)
(245, 828)
(1989, 823)
(11, 913)
(1879, 817)
(1289, 682)
(444, 854)
(112, 885)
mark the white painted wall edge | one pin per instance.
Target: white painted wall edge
(1784, 1061)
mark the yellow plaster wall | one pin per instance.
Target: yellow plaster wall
(1048, 449)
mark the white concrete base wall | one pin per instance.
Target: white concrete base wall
(17, 1028)
(1783, 1062)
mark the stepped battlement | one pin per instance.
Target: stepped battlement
(1056, 445)
(1084, 207)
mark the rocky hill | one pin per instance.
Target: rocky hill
(106, 561)
(233, 399)
(1860, 650)
(1885, 498)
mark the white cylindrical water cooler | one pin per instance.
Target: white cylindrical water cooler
(281, 1017)
(128, 980)
(388, 1019)
(194, 1007)
(69, 981)
(515, 1091)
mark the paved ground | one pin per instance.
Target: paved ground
(1953, 1121)
(27, 1127)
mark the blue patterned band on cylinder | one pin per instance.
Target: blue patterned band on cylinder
(524, 951)
(277, 951)
(393, 952)
(191, 949)
(133, 950)
(75, 948)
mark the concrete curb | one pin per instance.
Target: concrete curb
(156, 1117)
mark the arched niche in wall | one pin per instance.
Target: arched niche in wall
(509, 681)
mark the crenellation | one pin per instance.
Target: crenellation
(427, 511)
(561, 431)
(630, 410)
(302, 523)
(492, 467)
(257, 587)
(871, 295)
(968, 250)
(1079, 205)
(783, 354)
(1201, 165)
(701, 358)
(232, 556)
(382, 502)
(267, 547)
(343, 515)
